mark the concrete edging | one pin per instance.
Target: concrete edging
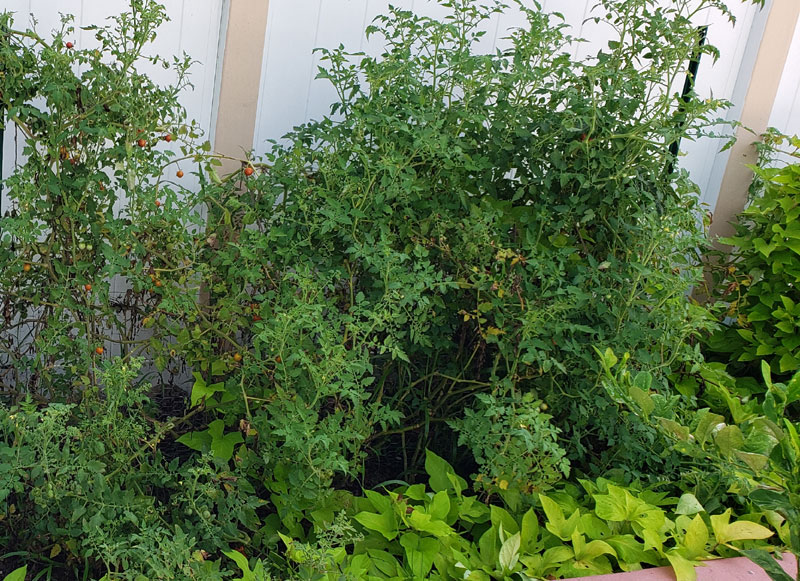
(734, 569)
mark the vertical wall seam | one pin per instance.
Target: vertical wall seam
(759, 101)
(265, 62)
(315, 61)
(364, 27)
(183, 22)
(221, 39)
(741, 80)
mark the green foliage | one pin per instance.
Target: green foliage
(82, 483)
(415, 533)
(746, 423)
(514, 444)
(256, 574)
(433, 265)
(462, 224)
(83, 213)
(752, 443)
(466, 224)
(758, 283)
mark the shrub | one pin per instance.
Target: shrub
(758, 281)
(82, 479)
(466, 224)
(514, 445)
(463, 224)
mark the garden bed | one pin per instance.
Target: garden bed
(445, 333)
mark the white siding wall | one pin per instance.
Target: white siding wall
(291, 95)
(194, 28)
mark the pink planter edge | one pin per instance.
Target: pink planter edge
(734, 569)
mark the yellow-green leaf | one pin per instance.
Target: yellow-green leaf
(744, 530)
(689, 505)
(683, 567)
(756, 462)
(696, 537)
(726, 532)
(556, 523)
(384, 523)
(509, 552)
(17, 574)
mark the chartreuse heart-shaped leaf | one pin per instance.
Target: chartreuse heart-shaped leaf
(689, 505)
(726, 532)
(696, 538)
(556, 522)
(442, 476)
(201, 391)
(589, 552)
(222, 444)
(509, 553)
(425, 523)
(683, 567)
(384, 523)
(420, 553)
(529, 531)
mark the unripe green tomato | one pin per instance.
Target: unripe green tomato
(81, 246)
(89, 247)
(206, 515)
